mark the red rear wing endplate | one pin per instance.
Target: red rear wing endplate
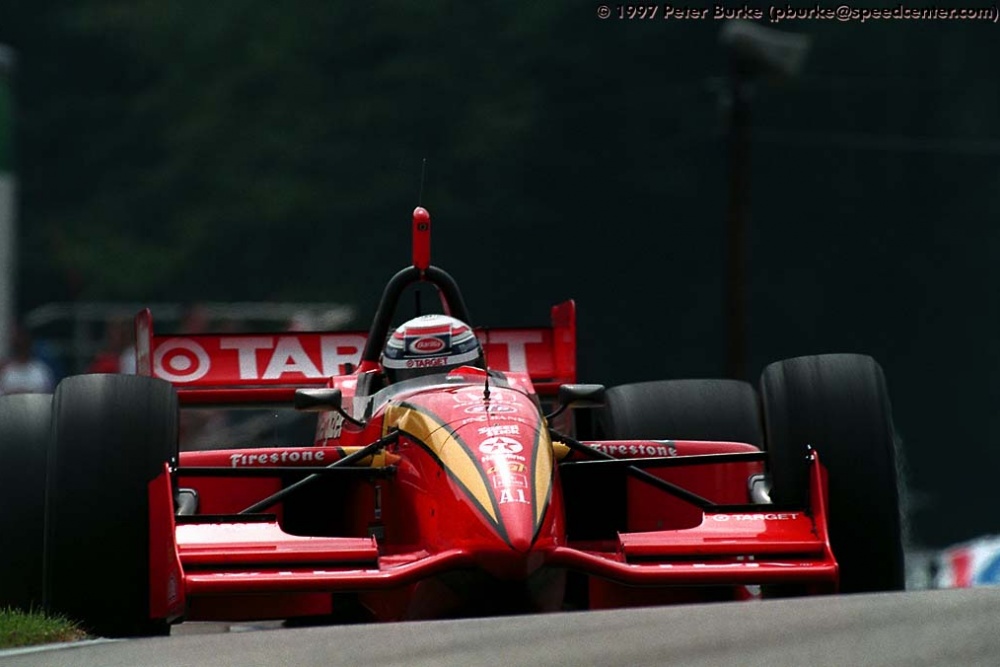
(267, 368)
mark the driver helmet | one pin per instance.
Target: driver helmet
(430, 344)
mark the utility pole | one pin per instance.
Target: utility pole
(8, 202)
(755, 52)
(737, 220)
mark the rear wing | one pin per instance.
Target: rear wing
(267, 368)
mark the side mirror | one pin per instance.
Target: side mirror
(582, 395)
(318, 400)
(578, 396)
(323, 400)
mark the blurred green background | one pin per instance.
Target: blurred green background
(251, 150)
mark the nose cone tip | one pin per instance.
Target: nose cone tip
(521, 543)
(515, 563)
(520, 528)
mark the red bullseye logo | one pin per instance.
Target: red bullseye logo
(427, 345)
(180, 360)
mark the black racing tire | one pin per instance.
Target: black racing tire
(24, 436)
(722, 410)
(111, 435)
(839, 404)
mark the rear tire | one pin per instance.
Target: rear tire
(24, 436)
(838, 403)
(722, 410)
(111, 436)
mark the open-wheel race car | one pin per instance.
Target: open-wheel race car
(453, 472)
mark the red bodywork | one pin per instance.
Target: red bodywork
(471, 506)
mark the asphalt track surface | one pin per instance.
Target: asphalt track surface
(955, 627)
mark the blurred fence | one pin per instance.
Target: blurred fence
(69, 335)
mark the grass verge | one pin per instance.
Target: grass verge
(20, 628)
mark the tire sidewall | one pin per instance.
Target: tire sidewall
(839, 405)
(25, 421)
(111, 435)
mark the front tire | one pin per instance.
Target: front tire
(838, 403)
(111, 436)
(24, 437)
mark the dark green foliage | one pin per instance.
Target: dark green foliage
(254, 150)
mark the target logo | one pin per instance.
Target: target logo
(500, 445)
(181, 360)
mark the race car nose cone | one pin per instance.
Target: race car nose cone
(513, 564)
(521, 543)
(517, 514)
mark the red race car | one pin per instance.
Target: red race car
(454, 472)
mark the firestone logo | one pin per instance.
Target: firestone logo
(634, 449)
(276, 458)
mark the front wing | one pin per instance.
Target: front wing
(233, 567)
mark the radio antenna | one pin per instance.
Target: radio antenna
(486, 362)
(423, 175)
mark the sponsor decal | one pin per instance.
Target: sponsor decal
(780, 516)
(500, 445)
(499, 458)
(501, 402)
(184, 360)
(426, 344)
(181, 360)
(508, 480)
(513, 496)
(513, 467)
(491, 417)
(189, 359)
(276, 458)
(502, 429)
(634, 449)
(426, 363)
(331, 425)
(490, 410)
(288, 357)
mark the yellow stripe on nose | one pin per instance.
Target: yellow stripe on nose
(543, 474)
(442, 442)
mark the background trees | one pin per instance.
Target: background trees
(248, 150)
